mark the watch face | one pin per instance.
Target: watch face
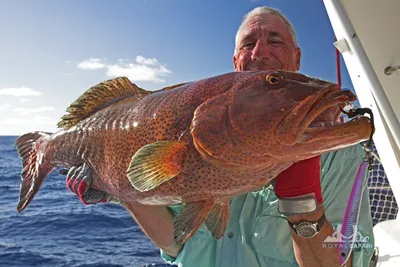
(306, 230)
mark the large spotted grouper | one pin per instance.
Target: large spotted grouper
(198, 143)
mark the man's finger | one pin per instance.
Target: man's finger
(114, 200)
(63, 171)
(78, 179)
(83, 175)
(88, 178)
(71, 177)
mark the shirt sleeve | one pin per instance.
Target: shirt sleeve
(339, 170)
(167, 258)
(170, 260)
(200, 249)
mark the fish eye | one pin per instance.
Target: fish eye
(273, 78)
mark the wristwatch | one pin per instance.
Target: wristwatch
(308, 229)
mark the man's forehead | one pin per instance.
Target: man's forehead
(270, 24)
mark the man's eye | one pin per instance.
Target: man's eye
(275, 42)
(247, 45)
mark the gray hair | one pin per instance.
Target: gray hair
(264, 10)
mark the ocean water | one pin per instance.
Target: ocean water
(56, 229)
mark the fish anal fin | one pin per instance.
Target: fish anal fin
(190, 219)
(217, 221)
(156, 163)
(98, 97)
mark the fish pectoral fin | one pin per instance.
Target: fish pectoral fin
(190, 219)
(218, 219)
(156, 163)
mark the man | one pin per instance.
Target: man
(258, 233)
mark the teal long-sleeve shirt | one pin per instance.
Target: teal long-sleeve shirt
(258, 236)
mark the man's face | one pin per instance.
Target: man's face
(266, 43)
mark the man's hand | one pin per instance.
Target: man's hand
(79, 180)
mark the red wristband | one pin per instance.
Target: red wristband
(300, 179)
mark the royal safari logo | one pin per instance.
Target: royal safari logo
(353, 240)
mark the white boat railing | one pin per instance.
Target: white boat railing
(367, 83)
(369, 41)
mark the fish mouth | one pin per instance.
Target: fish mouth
(311, 127)
(316, 118)
(357, 129)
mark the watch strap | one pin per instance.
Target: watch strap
(318, 224)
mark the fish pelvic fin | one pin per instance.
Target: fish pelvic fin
(31, 149)
(98, 97)
(156, 163)
(190, 219)
(217, 221)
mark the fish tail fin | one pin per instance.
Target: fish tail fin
(31, 148)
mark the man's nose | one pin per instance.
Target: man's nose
(260, 50)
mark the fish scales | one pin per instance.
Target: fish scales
(173, 116)
(173, 111)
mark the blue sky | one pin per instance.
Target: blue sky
(52, 51)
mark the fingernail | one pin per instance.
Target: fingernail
(63, 171)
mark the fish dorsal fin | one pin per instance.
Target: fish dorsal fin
(168, 88)
(173, 86)
(98, 97)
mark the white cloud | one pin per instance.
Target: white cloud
(147, 61)
(4, 106)
(19, 91)
(23, 100)
(137, 72)
(143, 69)
(18, 126)
(91, 64)
(26, 111)
(37, 120)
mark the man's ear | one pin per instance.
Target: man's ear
(235, 62)
(298, 58)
